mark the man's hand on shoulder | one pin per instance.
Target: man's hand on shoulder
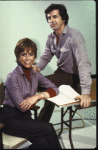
(84, 100)
(35, 68)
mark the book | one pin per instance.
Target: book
(65, 97)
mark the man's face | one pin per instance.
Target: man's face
(55, 21)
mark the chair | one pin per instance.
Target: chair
(8, 141)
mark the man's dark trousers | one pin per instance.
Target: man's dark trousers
(59, 78)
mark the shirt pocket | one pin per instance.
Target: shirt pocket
(65, 52)
(64, 49)
(66, 45)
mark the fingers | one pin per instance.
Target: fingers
(77, 97)
(85, 103)
(84, 100)
(82, 104)
(24, 105)
(38, 69)
(27, 104)
(35, 68)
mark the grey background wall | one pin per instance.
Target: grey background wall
(20, 19)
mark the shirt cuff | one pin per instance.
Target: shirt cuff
(51, 92)
(85, 91)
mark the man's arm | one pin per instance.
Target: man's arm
(84, 68)
(46, 56)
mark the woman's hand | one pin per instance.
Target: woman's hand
(29, 102)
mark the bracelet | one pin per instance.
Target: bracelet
(44, 95)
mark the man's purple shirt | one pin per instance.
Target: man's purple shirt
(71, 54)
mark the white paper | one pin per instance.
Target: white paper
(67, 90)
(66, 95)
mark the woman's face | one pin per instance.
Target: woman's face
(26, 58)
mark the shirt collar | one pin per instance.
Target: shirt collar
(21, 70)
(64, 31)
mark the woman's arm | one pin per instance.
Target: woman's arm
(51, 91)
(31, 101)
(13, 95)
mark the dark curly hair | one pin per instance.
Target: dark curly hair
(23, 44)
(62, 11)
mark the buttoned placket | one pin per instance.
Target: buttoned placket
(27, 83)
(58, 46)
(33, 85)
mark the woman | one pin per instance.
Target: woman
(20, 96)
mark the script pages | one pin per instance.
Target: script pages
(66, 96)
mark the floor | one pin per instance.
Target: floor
(83, 131)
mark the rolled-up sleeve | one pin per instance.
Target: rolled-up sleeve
(51, 92)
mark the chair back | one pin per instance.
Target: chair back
(2, 93)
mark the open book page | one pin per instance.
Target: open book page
(68, 91)
(66, 96)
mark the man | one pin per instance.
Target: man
(68, 45)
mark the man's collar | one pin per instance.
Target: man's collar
(64, 31)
